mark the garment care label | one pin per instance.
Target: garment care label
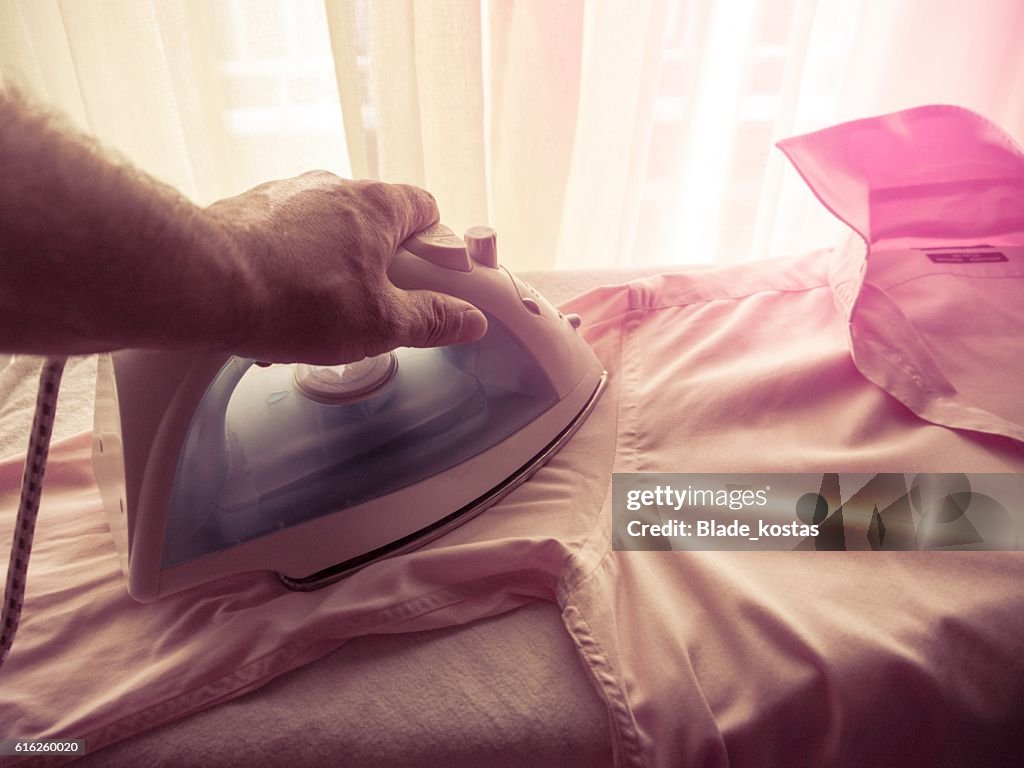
(817, 512)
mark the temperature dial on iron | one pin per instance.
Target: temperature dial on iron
(482, 245)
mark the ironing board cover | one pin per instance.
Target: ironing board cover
(830, 362)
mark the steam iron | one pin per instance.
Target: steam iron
(208, 465)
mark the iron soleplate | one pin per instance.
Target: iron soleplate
(437, 529)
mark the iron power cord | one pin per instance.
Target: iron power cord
(28, 508)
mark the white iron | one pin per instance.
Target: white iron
(208, 465)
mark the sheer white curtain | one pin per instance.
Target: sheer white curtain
(590, 134)
(211, 97)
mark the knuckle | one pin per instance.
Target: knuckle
(438, 322)
(381, 322)
(377, 203)
(319, 174)
(416, 193)
(375, 191)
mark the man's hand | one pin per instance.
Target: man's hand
(315, 249)
(95, 255)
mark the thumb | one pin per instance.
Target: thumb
(436, 320)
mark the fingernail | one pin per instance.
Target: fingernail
(474, 325)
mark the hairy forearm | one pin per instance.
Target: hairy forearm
(94, 255)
